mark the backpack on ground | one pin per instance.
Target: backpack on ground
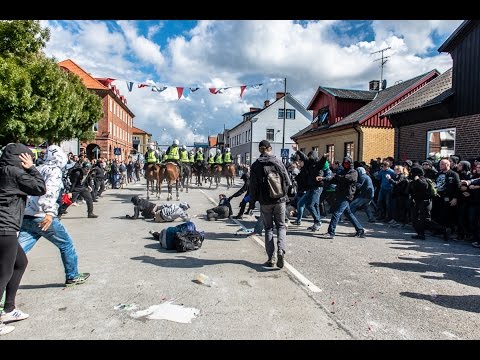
(274, 181)
(432, 188)
(167, 236)
(189, 240)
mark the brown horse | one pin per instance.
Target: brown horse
(153, 174)
(229, 172)
(171, 173)
(216, 174)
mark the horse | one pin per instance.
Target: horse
(187, 172)
(171, 173)
(216, 174)
(200, 169)
(153, 174)
(229, 172)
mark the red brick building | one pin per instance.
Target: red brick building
(115, 128)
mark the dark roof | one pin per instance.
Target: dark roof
(382, 99)
(350, 94)
(301, 132)
(432, 93)
(459, 33)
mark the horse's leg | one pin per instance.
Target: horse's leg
(176, 189)
(148, 183)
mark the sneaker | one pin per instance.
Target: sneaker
(316, 227)
(80, 279)
(359, 234)
(328, 236)
(238, 217)
(5, 329)
(270, 262)
(280, 256)
(296, 222)
(14, 315)
(93, 216)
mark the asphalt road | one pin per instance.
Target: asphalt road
(383, 287)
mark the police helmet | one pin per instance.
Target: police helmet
(176, 142)
(227, 149)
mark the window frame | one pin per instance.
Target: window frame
(272, 137)
(347, 144)
(427, 145)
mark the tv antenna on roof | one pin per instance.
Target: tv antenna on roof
(384, 61)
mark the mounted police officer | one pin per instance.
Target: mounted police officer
(173, 154)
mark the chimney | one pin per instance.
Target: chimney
(266, 103)
(384, 84)
(374, 85)
(279, 95)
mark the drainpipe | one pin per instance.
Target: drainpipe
(358, 141)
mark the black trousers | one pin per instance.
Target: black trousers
(13, 263)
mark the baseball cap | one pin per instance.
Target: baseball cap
(264, 143)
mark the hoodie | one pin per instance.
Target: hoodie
(51, 171)
(257, 189)
(15, 184)
(364, 185)
(346, 181)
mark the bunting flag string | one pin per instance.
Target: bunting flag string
(185, 90)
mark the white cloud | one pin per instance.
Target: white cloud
(145, 49)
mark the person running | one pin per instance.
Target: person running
(18, 178)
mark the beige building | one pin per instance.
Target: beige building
(349, 122)
(141, 139)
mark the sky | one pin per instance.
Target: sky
(231, 53)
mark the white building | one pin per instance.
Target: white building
(267, 124)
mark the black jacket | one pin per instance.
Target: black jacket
(346, 182)
(15, 184)
(257, 190)
(244, 188)
(314, 166)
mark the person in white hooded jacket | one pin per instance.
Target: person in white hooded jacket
(41, 217)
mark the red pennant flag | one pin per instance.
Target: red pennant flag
(213, 90)
(242, 89)
(179, 92)
(142, 85)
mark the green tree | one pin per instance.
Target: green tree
(38, 100)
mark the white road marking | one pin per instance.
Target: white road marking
(303, 280)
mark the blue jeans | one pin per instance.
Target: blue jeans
(359, 203)
(312, 198)
(57, 235)
(301, 206)
(341, 206)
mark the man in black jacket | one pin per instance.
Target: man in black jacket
(345, 191)
(273, 210)
(246, 199)
(314, 187)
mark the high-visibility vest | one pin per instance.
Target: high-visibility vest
(151, 158)
(184, 156)
(165, 156)
(211, 159)
(191, 158)
(219, 159)
(227, 158)
(199, 156)
(172, 153)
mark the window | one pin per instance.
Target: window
(247, 158)
(331, 152)
(290, 113)
(95, 127)
(322, 117)
(270, 135)
(441, 143)
(349, 150)
(110, 101)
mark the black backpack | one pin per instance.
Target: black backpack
(189, 240)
